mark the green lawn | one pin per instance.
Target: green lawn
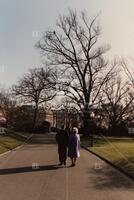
(119, 151)
(9, 141)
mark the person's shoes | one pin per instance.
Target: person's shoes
(72, 165)
(60, 163)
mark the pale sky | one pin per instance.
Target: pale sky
(20, 18)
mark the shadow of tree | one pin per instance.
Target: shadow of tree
(109, 178)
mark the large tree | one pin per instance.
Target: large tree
(36, 87)
(73, 48)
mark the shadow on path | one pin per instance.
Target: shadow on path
(109, 178)
(28, 169)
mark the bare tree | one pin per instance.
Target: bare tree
(37, 87)
(116, 104)
(130, 82)
(128, 72)
(73, 48)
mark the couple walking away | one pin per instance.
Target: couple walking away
(68, 145)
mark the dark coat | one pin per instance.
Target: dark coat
(62, 140)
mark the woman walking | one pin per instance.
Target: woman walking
(73, 146)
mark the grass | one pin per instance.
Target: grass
(119, 151)
(9, 141)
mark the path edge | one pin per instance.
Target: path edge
(108, 162)
(19, 146)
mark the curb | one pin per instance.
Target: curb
(18, 147)
(5, 153)
(108, 162)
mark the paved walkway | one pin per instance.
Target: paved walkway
(18, 181)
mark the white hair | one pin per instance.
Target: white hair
(75, 130)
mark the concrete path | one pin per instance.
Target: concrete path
(90, 179)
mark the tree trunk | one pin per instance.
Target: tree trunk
(35, 117)
(86, 122)
(114, 128)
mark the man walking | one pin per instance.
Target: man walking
(62, 140)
